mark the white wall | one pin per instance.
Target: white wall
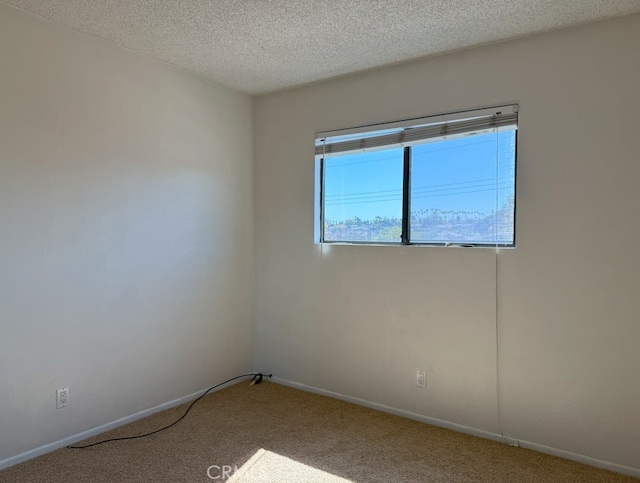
(359, 320)
(126, 226)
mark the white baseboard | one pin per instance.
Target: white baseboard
(627, 470)
(587, 460)
(47, 448)
(398, 412)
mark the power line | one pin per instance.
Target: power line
(414, 192)
(413, 197)
(394, 196)
(412, 189)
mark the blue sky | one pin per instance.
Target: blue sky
(457, 175)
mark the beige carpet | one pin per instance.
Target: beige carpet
(272, 433)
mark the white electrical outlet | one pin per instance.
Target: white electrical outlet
(62, 397)
(421, 378)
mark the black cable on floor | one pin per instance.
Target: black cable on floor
(257, 379)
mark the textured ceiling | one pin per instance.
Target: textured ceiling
(259, 46)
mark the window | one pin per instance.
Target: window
(440, 180)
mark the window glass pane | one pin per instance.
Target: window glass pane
(462, 190)
(363, 197)
(506, 187)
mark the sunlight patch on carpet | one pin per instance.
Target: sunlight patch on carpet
(266, 466)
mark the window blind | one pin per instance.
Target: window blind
(412, 131)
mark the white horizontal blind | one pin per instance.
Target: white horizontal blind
(406, 133)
